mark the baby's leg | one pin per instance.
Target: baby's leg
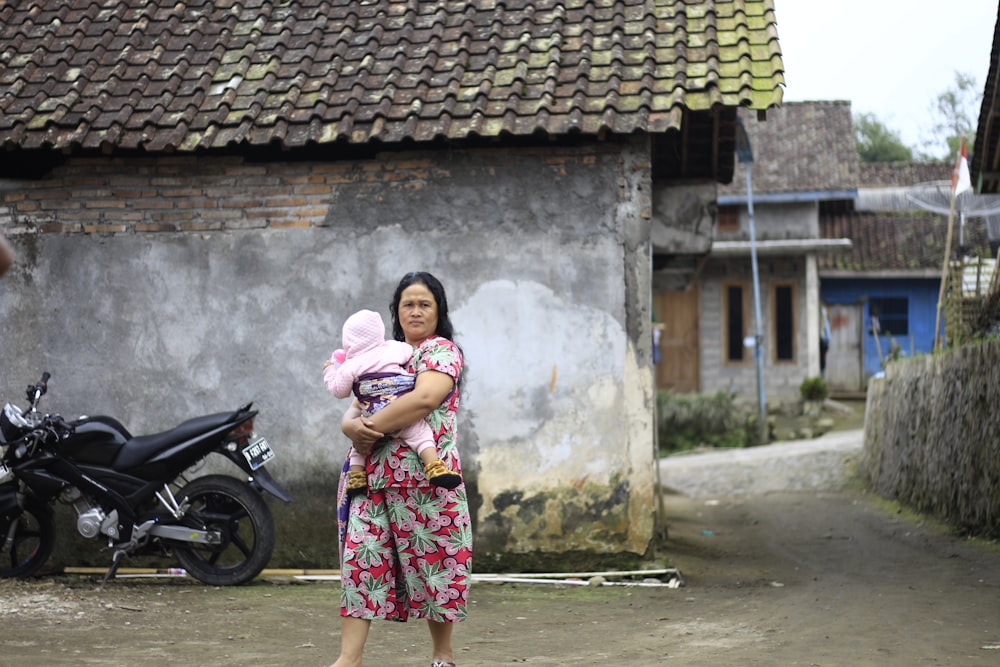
(435, 470)
(357, 480)
(427, 452)
(357, 460)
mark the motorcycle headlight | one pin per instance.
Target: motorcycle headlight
(12, 423)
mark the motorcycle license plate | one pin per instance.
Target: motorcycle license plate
(257, 453)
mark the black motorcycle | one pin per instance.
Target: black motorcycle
(140, 493)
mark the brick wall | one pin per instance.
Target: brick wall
(194, 194)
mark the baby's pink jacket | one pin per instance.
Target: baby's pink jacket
(367, 351)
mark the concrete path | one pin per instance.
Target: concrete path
(825, 463)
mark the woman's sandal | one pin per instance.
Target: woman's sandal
(441, 663)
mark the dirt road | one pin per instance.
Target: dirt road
(832, 577)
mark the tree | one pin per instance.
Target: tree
(954, 116)
(877, 143)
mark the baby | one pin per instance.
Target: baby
(374, 369)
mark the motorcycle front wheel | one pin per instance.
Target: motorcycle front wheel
(242, 518)
(27, 538)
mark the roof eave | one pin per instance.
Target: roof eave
(779, 247)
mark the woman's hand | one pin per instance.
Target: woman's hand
(360, 432)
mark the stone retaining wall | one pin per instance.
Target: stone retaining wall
(932, 436)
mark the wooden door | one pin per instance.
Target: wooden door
(677, 318)
(844, 361)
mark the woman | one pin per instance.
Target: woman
(406, 546)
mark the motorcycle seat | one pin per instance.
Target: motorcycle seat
(142, 448)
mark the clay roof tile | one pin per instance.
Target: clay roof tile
(177, 76)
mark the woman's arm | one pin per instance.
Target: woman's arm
(430, 389)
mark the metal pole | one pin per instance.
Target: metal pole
(761, 407)
(745, 154)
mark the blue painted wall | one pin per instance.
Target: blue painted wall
(921, 295)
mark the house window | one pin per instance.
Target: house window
(734, 316)
(783, 316)
(890, 316)
(728, 219)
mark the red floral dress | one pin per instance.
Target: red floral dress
(406, 546)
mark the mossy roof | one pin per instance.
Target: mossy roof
(161, 75)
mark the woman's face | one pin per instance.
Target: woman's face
(418, 313)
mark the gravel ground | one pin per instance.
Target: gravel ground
(785, 562)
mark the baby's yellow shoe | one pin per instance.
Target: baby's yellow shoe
(438, 474)
(357, 482)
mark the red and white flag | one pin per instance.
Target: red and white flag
(960, 180)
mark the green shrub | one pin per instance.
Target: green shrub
(687, 421)
(814, 389)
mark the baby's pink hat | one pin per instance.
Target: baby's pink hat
(363, 331)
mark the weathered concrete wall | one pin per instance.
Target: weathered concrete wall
(931, 436)
(157, 289)
(683, 218)
(781, 379)
(775, 221)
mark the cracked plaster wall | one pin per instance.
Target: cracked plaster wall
(545, 256)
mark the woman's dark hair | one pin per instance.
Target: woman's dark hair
(444, 328)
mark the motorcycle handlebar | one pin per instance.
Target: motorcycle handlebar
(36, 391)
(59, 426)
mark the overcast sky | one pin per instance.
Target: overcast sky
(891, 58)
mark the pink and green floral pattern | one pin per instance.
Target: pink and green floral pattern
(406, 546)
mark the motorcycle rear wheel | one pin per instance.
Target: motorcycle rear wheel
(239, 513)
(34, 539)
